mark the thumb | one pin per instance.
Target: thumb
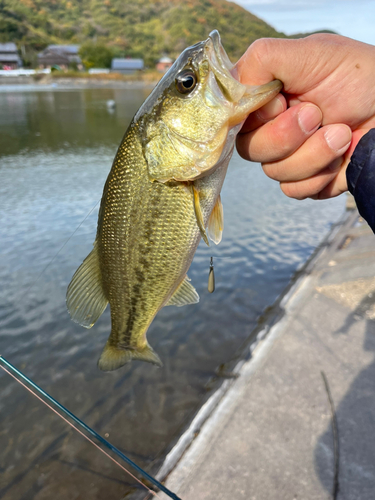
(300, 64)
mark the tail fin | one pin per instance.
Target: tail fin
(114, 357)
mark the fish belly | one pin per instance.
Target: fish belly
(147, 237)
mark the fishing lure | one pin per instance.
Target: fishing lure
(211, 277)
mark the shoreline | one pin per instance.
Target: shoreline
(217, 408)
(22, 83)
(271, 435)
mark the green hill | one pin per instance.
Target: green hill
(134, 28)
(303, 35)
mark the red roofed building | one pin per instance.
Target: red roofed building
(164, 64)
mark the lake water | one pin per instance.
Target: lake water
(56, 149)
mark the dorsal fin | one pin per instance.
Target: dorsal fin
(216, 222)
(85, 298)
(184, 295)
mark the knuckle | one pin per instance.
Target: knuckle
(270, 171)
(283, 143)
(293, 190)
(324, 38)
(285, 135)
(242, 146)
(260, 49)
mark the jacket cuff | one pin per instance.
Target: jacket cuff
(360, 176)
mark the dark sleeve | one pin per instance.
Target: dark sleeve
(360, 176)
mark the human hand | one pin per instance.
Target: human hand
(305, 137)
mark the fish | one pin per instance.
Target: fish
(161, 197)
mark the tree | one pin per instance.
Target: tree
(95, 55)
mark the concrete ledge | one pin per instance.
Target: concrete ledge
(269, 436)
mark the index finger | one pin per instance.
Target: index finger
(264, 114)
(299, 64)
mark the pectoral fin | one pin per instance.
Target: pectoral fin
(184, 295)
(85, 298)
(216, 222)
(199, 215)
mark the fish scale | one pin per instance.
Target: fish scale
(161, 194)
(160, 220)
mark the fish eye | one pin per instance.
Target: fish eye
(186, 81)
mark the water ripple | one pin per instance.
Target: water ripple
(57, 149)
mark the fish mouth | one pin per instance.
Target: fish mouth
(248, 96)
(221, 66)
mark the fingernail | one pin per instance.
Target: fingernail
(338, 137)
(309, 118)
(271, 109)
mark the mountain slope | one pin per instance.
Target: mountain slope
(136, 28)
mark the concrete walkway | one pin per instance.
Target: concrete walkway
(270, 436)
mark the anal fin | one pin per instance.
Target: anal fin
(114, 357)
(185, 294)
(199, 215)
(85, 298)
(216, 222)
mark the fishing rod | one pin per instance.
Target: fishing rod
(84, 426)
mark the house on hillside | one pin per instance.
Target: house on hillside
(164, 64)
(127, 66)
(9, 58)
(60, 55)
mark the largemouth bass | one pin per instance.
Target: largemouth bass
(161, 195)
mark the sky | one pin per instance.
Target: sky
(352, 18)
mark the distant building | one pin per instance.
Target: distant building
(98, 71)
(9, 58)
(59, 55)
(164, 64)
(126, 66)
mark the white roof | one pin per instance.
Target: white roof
(9, 57)
(166, 59)
(73, 49)
(122, 63)
(8, 47)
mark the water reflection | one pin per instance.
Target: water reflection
(53, 120)
(56, 149)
